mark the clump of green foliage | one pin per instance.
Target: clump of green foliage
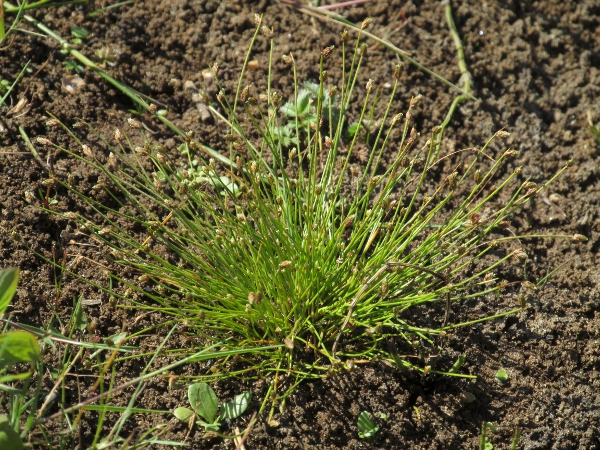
(300, 246)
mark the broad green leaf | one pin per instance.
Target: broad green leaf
(303, 102)
(236, 407)
(16, 347)
(183, 414)
(203, 400)
(289, 109)
(9, 438)
(9, 278)
(366, 426)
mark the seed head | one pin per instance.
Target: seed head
(349, 221)
(520, 254)
(253, 167)
(288, 59)
(285, 264)
(254, 298)
(344, 36)
(257, 19)
(579, 238)
(266, 31)
(52, 123)
(365, 23)
(245, 94)
(327, 51)
(328, 142)
(276, 98)
(397, 118)
(502, 134)
(43, 141)
(398, 71)
(118, 135)
(415, 101)
(511, 153)
(87, 151)
(134, 123)
(369, 86)
(452, 180)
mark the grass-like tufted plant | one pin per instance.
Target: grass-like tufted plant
(290, 241)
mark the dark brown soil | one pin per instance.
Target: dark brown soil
(536, 71)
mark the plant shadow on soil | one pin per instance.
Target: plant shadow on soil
(536, 71)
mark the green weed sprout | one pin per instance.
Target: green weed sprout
(485, 442)
(301, 247)
(366, 426)
(204, 403)
(302, 113)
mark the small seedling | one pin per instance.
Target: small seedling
(79, 34)
(366, 426)
(303, 113)
(485, 442)
(204, 403)
(502, 376)
(458, 364)
(73, 66)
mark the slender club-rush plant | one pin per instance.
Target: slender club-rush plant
(297, 245)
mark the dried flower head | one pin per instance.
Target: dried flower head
(43, 141)
(87, 151)
(369, 86)
(327, 51)
(366, 23)
(288, 59)
(344, 36)
(520, 254)
(415, 101)
(52, 123)
(133, 123)
(118, 135)
(398, 71)
(245, 94)
(266, 31)
(502, 134)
